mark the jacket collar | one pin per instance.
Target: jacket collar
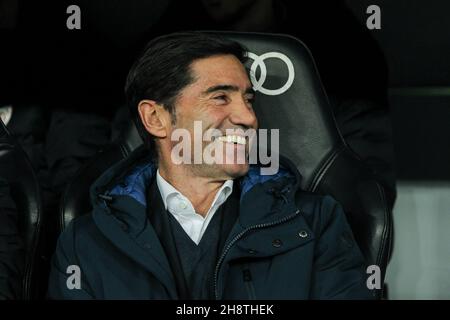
(261, 195)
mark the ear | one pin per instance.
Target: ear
(154, 118)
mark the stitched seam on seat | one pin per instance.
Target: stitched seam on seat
(320, 173)
(385, 235)
(37, 235)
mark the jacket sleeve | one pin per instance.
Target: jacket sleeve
(339, 267)
(64, 270)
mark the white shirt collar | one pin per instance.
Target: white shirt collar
(177, 204)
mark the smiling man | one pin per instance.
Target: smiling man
(162, 229)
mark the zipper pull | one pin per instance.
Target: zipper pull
(249, 284)
(105, 197)
(106, 200)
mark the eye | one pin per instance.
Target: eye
(250, 99)
(222, 99)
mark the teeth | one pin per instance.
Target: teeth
(233, 139)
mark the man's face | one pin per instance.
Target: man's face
(220, 98)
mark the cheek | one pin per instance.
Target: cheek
(192, 110)
(210, 117)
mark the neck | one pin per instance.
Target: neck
(199, 190)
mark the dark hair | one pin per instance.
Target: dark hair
(163, 70)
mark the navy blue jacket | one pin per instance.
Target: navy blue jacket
(286, 243)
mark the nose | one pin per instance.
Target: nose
(243, 115)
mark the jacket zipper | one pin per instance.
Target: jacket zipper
(239, 236)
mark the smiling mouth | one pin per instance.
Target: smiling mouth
(233, 139)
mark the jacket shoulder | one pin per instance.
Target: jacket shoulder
(73, 246)
(318, 210)
(80, 234)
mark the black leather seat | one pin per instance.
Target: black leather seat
(25, 192)
(295, 102)
(75, 199)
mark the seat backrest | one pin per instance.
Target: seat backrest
(25, 192)
(292, 99)
(75, 200)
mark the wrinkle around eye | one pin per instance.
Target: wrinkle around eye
(222, 99)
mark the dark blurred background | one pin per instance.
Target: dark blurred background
(42, 62)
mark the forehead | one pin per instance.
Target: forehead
(220, 69)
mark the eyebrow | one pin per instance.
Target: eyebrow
(227, 87)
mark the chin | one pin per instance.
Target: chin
(236, 170)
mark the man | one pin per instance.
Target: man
(161, 229)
